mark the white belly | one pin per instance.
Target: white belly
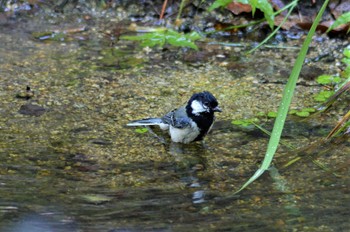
(184, 135)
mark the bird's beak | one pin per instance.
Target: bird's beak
(217, 109)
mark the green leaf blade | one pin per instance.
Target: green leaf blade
(219, 3)
(343, 19)
(285, 102)
(266, 8)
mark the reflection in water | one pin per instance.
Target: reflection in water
(198, 197)
(190, 159)
(39, 223)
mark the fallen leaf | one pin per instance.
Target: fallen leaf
(237, 8)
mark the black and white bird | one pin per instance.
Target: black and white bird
(188, 123)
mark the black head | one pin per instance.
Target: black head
(203, 102)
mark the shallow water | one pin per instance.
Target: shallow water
(77, 167)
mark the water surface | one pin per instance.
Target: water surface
(75, 166)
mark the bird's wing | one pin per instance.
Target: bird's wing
(177, 118)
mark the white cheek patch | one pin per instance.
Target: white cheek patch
(197, 107)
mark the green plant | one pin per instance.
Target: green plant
(305, 112)
(346, 61)
(341, 20)
(261, 116)
(328, 79)
(323, 96)
(329, 96)
(262, 5)
(245, 122)
(344, 123)
(285, 103)
(141, 130)
(269, 15)
(161, 36)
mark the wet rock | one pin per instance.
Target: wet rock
(197, 56)
(32, 110)
(311, 72)
(101, 142)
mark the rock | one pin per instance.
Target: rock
(32, 110)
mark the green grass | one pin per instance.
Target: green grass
(162, 36)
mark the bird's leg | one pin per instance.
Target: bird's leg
(204, 145)
(161, 139)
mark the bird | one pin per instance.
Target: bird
(188, 123)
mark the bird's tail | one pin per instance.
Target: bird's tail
(146, 122)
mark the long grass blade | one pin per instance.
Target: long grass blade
(285, 103)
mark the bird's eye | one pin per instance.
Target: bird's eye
(206, 103)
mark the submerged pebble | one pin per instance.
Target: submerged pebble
(32, 110)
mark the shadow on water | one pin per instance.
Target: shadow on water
(69, 163)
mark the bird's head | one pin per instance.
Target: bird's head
(203, 102)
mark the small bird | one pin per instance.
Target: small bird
(188, 123)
